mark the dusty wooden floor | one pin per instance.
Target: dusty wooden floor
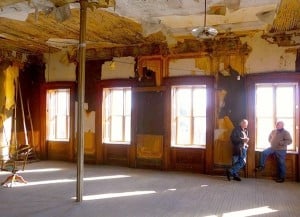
(111, 191)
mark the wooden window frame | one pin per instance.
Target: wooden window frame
(191, 117)
(56, 122)
(274, 116)
(123, 141)
(210, 104)
(272, 77)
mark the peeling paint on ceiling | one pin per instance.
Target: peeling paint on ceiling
(41, 26)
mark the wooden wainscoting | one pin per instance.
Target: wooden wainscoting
(58, 150)
(270, 171)
(89, 147)
(149, 150)
(116, 154)
(188, 159)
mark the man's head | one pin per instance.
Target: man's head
(279, 125)
(244, 123)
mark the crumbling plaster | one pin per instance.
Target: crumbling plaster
(266, 57)
(58, 68)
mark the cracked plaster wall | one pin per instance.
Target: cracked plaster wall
(267, 57)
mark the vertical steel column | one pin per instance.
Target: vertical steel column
(81, 92)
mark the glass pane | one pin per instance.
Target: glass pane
(200, 131)
(116, 128)
(117, 103)
(51, 129)
(58, 107)
(127, 129)
(183, 131)
(128, 102)
(62, 102)
(264, 128)
(199, 102)
(61, 128)
(264, 101)
(285, 101)
(107, 104)
(183, 101)
(106, 131)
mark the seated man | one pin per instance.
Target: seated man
(279, 140)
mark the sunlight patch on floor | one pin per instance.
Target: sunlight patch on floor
(106, 177)
(41, 170)
(247, 212)
(59, 181)
(114, 195)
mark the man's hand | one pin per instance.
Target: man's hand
(245, 140)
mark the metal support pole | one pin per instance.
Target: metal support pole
(81, 91)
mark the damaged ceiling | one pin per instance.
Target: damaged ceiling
(140, 27)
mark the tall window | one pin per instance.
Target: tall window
(275, 102)
(116, 115)
(189, 116)
(58, 114)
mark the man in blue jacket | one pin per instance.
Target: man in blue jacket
(239, 139)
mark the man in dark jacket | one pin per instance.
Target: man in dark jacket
(239, 139)
(279, 140)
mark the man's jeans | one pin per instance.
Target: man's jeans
(280, 156)
(238, 162)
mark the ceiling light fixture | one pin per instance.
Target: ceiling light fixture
(204, 32)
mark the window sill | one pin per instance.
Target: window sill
(188, 146)
(292, 152)
(288, 151)
(58, 140)
(116, 143)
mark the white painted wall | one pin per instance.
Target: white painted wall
(266, 57)
(89, 119)
(58, 67)
(122, 67)
(186, 66)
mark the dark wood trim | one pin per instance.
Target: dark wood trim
(188, 80)
(146, 89)
(98, 126)
(167, 135)
(116, 83)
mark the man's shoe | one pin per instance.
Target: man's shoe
(236, 178)
(228, 174)
(259, 169)
(280, 180)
